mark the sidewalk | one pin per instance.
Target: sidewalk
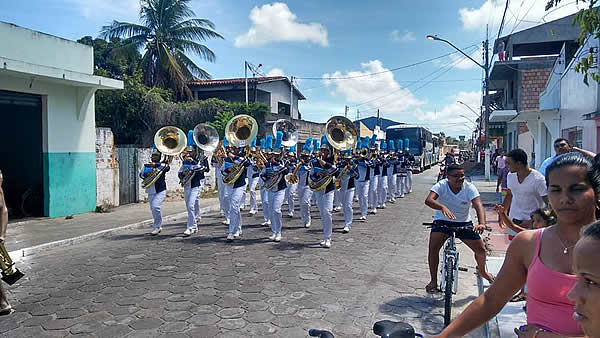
(32, 236)
(512, 315)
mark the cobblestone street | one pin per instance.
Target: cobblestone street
(136, 285)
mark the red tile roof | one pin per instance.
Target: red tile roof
(241, 81)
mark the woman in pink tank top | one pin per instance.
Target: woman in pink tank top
(543, 258)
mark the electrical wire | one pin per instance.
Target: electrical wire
(382, 72)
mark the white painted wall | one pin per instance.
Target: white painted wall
(107, 169)
(66, 132)
(280, 92)
(38, 48)
(578, 99)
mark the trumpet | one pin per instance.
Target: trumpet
(170, 141)
(260, 158)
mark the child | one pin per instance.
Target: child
(542, 217)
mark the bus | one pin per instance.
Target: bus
(422, 143)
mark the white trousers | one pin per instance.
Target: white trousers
(391, 187)
(382, 188)
(401, 185)
(373, 192)
(338, 197)
(191, 204)
(304, 196)
(348, 210)
(274, 209)
(264, 200)
(156, 199)
(226, 204)
(290, 193)
(252, 182)
(363, 196)
(325, 203)
(220, 189)
(409, 181)
(235, 203)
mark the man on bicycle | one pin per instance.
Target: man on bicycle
(451, 198)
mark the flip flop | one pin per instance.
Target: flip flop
(432, 289)
(518, 298)
(6, 311)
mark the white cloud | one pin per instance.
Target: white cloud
(100, 8)
(276, 72)
(380, 90)
(529, 13)
(276, 23)
(461, 62)
(448, 118)
(405, 36)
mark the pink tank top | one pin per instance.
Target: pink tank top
(547, 302)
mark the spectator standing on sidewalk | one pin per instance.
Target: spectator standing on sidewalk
(544, 258)
(562, 146)
(494, 160)
(5, 308)
(526, 191)
(502, 170)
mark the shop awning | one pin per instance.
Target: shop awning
(502, 115)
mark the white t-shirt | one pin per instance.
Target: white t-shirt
(526, 196)
(459, 204)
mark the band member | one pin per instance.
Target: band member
(191, 176)
(267, 148)
(391, 172)
(5, 307)
(304, 192)
(382, 184)
(158, 191)
(364, 178)
(235, 191)
(410, 161)
(348, 174)
(321, 167)
(290, 191)
(219, 182)
(402, 173)
(338, 195)
(374, 179)
(399, 177)
(253, 178)
(274, 173)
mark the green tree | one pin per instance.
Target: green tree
(113, 58)
(220, 121)
(589, 20)
(167, 32)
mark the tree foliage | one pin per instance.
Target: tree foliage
(167, 33)
(589, 20)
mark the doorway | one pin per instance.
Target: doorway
(21, 157)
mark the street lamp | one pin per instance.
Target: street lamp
(486, 68)
(468, 118)
(466, 105)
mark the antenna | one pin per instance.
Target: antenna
(255, 69)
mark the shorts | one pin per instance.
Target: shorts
(461, 234)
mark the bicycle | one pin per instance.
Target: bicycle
(449, 269)
(382, 328)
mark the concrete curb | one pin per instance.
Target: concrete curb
(18, 255)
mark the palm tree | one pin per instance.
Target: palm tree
(167, 32)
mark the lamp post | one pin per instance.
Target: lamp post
(468, 118)
(486, 68)
(466, 105)
(478, 132)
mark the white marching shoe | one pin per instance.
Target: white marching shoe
(265, 223)
(326, 243)
(346, 229)
(290, 214)
(237, 235)
(307, 225)
(253, 212)
(363, 218)
(230, 237)
(278, 237)
(156, 231)
(272, 237)
(189, 232)
(226, 222)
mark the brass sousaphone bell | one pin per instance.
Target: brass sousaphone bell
(170, 141)
(206, 138)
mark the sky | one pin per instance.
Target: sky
(334, 48)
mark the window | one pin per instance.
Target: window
(283, 108)
(574, 135)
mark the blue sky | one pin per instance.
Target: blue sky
(331, 39)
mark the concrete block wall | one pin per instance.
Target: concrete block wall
(107, 169)
(533, 83)
(173, 186)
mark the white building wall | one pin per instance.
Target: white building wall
(67, 131)
(578, 99)
(280, 92)
(107, 169)
(38, 48)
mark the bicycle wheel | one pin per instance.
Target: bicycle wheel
(448, 290)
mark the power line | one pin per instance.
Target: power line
(382, 72)
(502, 22)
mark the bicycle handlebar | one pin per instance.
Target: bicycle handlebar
(320, 333)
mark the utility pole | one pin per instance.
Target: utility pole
(378, 116)
(291, 96)
(346, 111)
(246, 79)
(486, 102)
(357, 114)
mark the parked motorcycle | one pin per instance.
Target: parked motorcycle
(442, 173)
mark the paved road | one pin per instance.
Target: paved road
(135, 285)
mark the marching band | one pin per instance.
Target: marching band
(328, 171)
